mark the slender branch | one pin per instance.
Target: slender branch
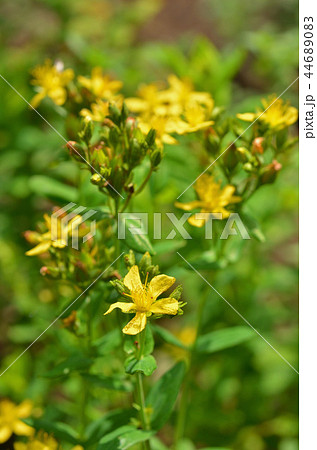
(140, 392)
(146, 179)
(183, 407)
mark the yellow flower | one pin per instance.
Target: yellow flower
(151, 101)
(56, 236)
(42, 441)
(212, 199)
(195, 116)
(163, 126)
(278, 115)
(144, 300)
(98, 111)
(182, 92)
(51, 82)
(99, 84)
(10, 419)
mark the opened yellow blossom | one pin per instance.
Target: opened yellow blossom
(51, 81)
(211, 199)
(10, 419)
(144, 300)
(151, 100)
(98, 111)
(100, 85)
(195, 116)
(276, 114)
(164, 127)
(56, 236)
(182, 91)
(42, 441)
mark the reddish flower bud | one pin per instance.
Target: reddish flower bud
(257, 146)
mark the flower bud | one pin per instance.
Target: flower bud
(257, 146)
(115, 114)
(96, 179)
(230, 157)
(177, 293)
(124, 112)
(119, 287)
(212, 144)
(150, 137)
(75, 150)
(129, 259)
(31, 236)
(156, 157)
(86, 133)
(70, 321)
(269, 172)
(243, 154)
(248, 167)
(130, 123)
(50, 272)
(145, 262)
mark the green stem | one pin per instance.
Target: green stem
(85, 385)
(142, 186)
(126, 203)
(183, 406)
(140, 397)
(117, 241)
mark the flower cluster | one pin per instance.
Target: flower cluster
(179, 109)
(120, 142)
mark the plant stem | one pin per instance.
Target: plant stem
(183, 406)
(140, 397)
(142, 186)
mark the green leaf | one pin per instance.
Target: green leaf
(114, 383)
(138, 242)
(108, 342)
(209, 260)
(107, 423)
(252, 226)
(163, 394)
(148, 341)
(123, 438)
(221, 339)
(168, 246)
(168, 337)
(71, 364)
(60, 430)
(146, 365)
(45, 186)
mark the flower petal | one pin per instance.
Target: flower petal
(190, 205)
(136, 325)
(36, 100)
(247, 117)
(199, 220)
(132, 279)
(165, 306)
(160, 284)
(5, 433)
(125, 307)
(39, 249)
(74, 223)
(24, 409)
(22, 429)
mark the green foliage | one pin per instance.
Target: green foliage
(74, 373)
(163, 394)
(222, 339)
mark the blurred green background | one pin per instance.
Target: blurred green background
(245, 397)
